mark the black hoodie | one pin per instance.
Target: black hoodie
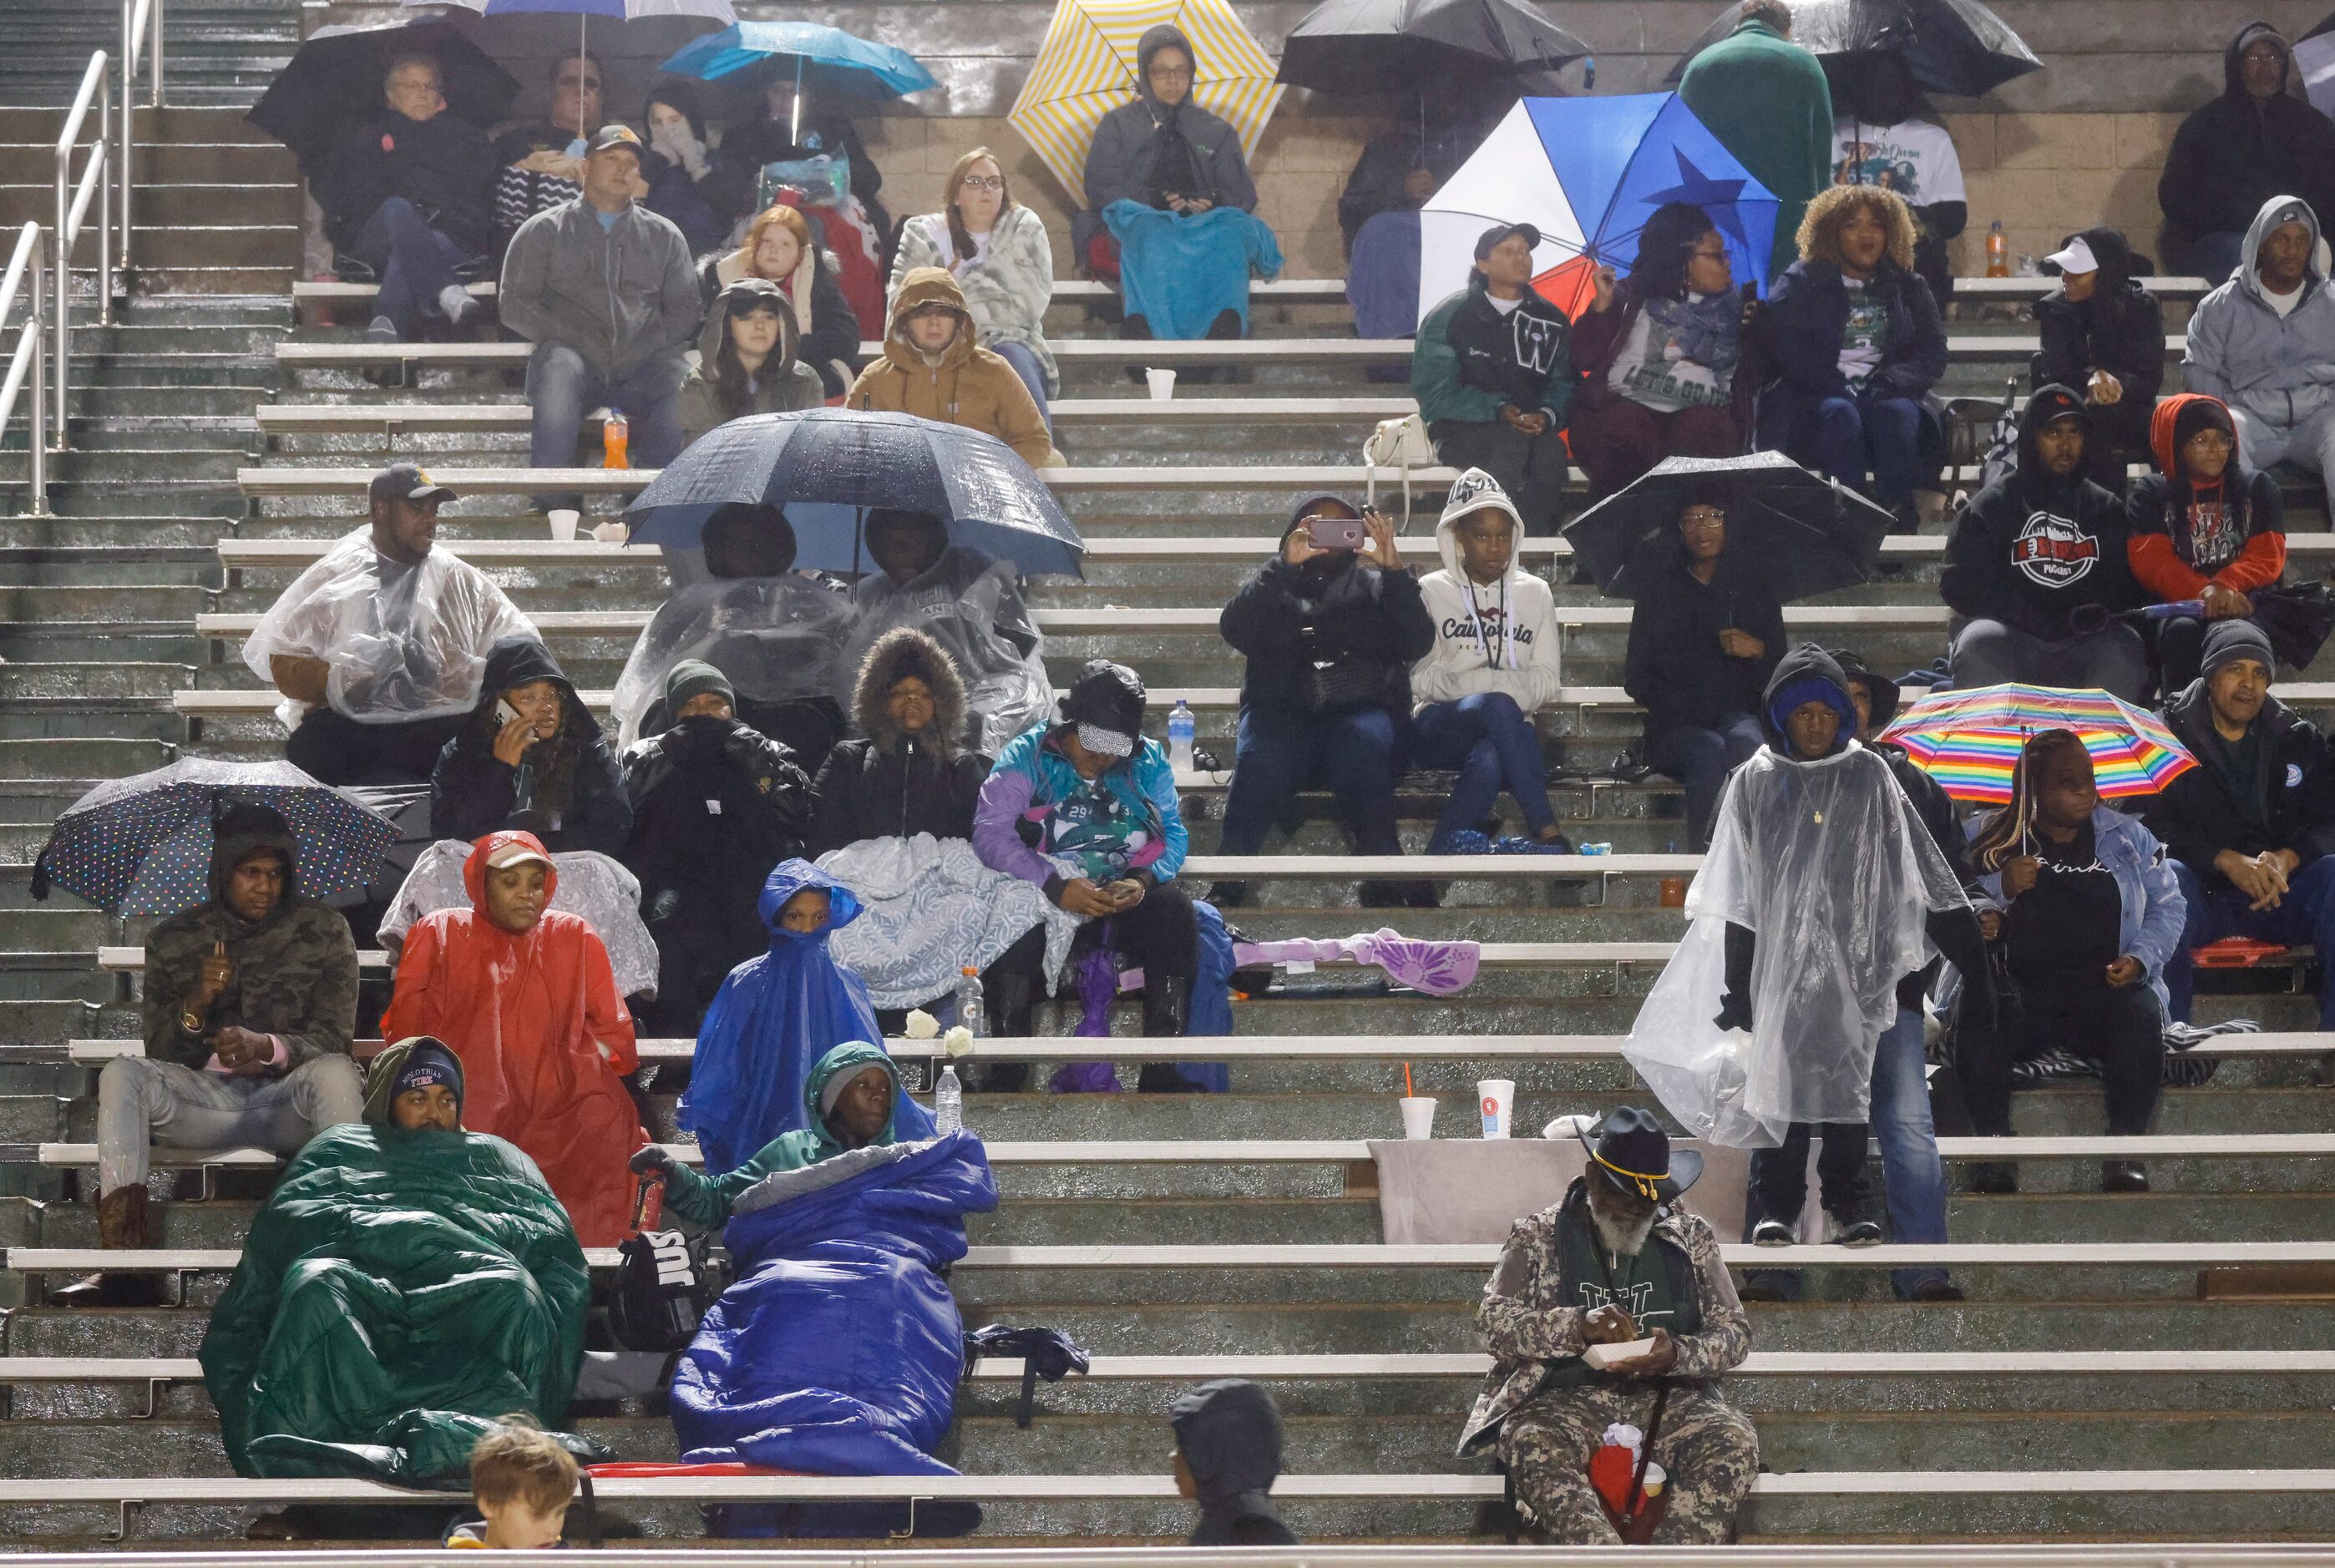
(2032, 549)
(1229, 1435)
(473, 792)
(1333, 609)
(1675, 668)
(2289, 805)
(2119, 329)
(2233, 154)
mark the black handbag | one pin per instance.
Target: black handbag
(1342, 682)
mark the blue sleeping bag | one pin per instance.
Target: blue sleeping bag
(838, 1349)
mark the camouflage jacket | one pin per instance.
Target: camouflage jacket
(1527, 1325)
(296, 976)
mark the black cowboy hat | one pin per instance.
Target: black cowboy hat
(1634, 1152)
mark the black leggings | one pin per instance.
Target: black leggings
(2118, 1026)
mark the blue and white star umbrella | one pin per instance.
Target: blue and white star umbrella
(1587, 173)
(142, 845)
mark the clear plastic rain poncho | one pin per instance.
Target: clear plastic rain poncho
(973, 607)
(598, 889)
(1827, 866)
(778, 639)
(404, 642)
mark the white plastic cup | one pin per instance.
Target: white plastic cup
(1162, 382)
(1496, 1097)
(563, 523)
(1418, 1117)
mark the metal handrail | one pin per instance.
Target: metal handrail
(141, 30)
(70, 213)
(24, 276)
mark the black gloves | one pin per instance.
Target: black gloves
(654, 1160)
(1735, 1003)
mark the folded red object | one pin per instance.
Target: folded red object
(2235, 952)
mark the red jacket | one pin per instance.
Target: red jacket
(2160, 502)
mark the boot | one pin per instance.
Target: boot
(1009, 1020)
(122, 1224)
(1166, 1013)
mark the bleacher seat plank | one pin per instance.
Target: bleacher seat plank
(312, 419)
(1275, 291)
(1160, 352)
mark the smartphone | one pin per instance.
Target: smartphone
(504, 712)
(1337, 533)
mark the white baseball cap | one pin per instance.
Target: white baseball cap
(2077, 257)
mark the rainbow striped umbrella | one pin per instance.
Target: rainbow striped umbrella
(1086, 68)
(1970, 741)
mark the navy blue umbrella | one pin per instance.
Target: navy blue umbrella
(827, 466)
(142, 844)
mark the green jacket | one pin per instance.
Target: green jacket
(1466, 350)
(1766, 100)
(705, 1200)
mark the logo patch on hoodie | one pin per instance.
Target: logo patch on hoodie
(2053, 552)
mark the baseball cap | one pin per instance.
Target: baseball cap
(407, 482)
(1500, 231)
(516, 854)
(2076, 256)
(614, 134)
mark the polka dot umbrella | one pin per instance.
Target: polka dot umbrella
(142, 844)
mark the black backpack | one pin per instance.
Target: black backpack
(664, 1285)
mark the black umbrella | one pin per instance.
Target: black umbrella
(2297, 618)
(1349, 46)
(334, 81)
(1957, 47)
(1810, 535)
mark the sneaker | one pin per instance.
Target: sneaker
(381, 329)
(1994, 1176)
(1936, 1291)
(2123, 1176)
(456, 302)
(1857, 1234)
(1762, 1287)
(1772, 1234)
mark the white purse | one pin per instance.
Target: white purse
(1403, 443)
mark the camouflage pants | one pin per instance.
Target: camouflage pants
(1706, 1446)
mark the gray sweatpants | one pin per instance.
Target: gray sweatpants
(141, 1101)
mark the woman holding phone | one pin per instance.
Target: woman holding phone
(1331, 627)
(531, 757)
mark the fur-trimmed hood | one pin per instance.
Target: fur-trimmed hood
(900, 652)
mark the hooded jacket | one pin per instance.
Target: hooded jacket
(1675, 667)
(784, 385)
(296, 970)
(1229, 1435)
(1015, 822)
(964, 385)
(472, 791)
(889, 784)
(2279, 369)
(543, 1037)
(705, 1200)
(1335, 607)
(620, 296)
(2233, 154)
(2031, 549)
(1136, 144)
(2152, 914)
(1801, 329)
(1008, 290)
(2119, 329)
(1499, 636)
(444, 165)
(715, 803)
(827, 329)
(1469, 360)
(2206, 810)
(2183, 538)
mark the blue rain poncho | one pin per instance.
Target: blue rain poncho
(772, 1019)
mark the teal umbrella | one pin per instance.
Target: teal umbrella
(825, 54)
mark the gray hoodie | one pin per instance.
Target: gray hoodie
(620, 296)
(784, 385)
(2280, 369)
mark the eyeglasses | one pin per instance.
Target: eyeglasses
(1702, 518)
(1718, 255)
(983, 182)
(1170, 73)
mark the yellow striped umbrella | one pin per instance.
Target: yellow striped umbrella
(1086, 68)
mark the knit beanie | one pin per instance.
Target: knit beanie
(2230, 640)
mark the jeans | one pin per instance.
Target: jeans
(2118, 1026)
(140, 1100)
(2306, 914)
(1284, 749)
(1883, 434)
(2309, 443)
(1617, 440)
(561, 385)
(1987, 653)
(1033, 374)
(1531, 469)
(1492, 742)
(414, 261)
(333, 748)
(1700, 760)
(1913, 1173)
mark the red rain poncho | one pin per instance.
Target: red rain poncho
(542, 1035)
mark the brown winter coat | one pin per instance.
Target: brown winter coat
(968, 385)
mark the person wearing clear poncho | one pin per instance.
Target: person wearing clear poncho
(968, 602)
(379, 646)
(777, 638)
(1821, 890)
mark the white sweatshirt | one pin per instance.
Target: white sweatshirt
(1496, 637)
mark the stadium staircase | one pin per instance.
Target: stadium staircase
(2044, 1406)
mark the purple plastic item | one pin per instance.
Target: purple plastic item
(1098, 988)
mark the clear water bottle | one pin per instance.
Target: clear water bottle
(971, 1014)
(1181, 729)
(948, 1102)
